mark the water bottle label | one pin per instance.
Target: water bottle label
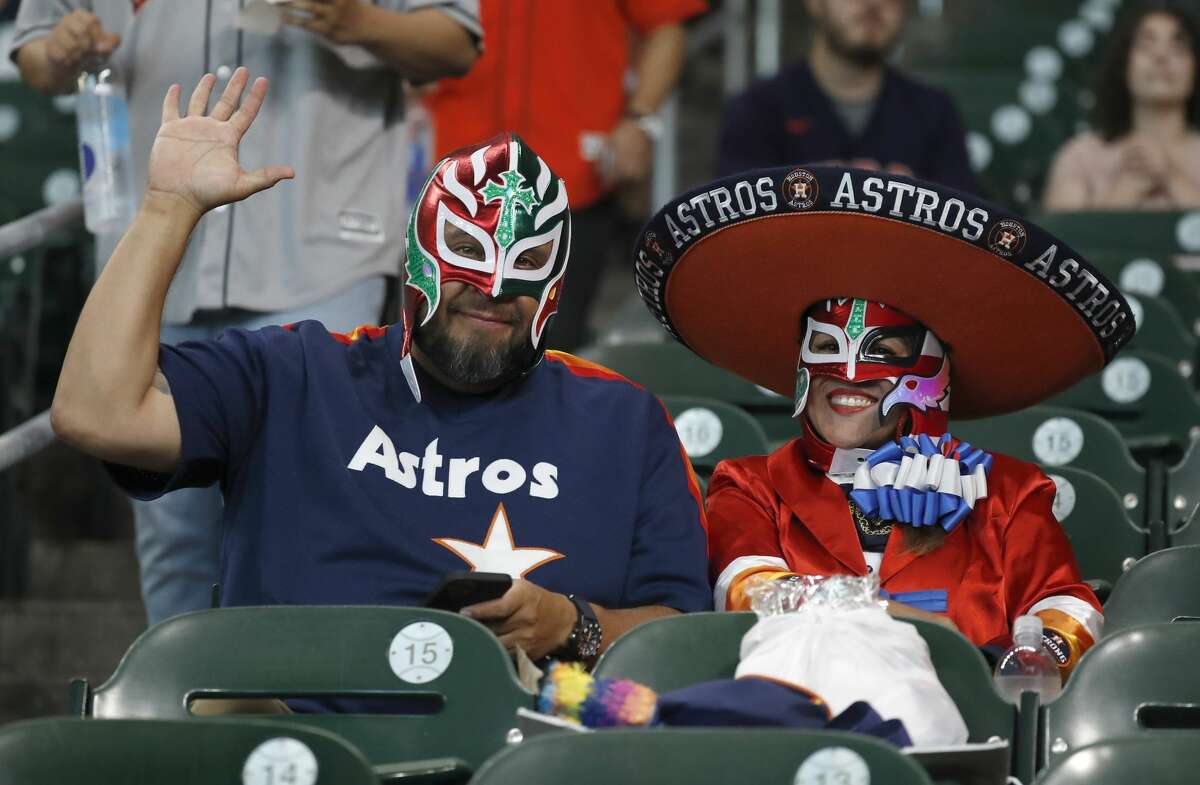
(1057, 645)
(88, 156)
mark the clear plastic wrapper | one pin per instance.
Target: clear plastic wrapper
(813, 592)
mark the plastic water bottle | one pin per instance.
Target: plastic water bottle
(1027, 665)
(104, 155)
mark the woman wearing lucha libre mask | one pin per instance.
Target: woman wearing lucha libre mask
(875, 300)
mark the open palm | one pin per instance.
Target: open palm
(194, 157)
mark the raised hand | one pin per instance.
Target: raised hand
(194, 160)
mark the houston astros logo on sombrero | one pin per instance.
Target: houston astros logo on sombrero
(800, 189)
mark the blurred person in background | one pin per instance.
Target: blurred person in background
(1145, 151)
(317, 249)
(844, 104)
(556, 73)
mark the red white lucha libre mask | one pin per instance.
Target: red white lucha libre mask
(506, 198)
(860, 351)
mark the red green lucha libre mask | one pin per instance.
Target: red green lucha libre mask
(505, 197)
(857, 340)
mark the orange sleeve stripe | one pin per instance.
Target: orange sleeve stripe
(368, 331)
(737, 598)
(1065, 637)
(693, 480)
(582, 367)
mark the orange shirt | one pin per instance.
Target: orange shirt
(553, 71)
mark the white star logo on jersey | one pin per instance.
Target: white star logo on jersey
(498, 553)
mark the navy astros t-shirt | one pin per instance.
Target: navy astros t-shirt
(340, 488)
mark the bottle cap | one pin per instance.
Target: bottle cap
(1026, 627)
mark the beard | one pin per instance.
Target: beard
(862, 55)
(471, 361)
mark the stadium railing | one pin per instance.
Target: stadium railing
(29, 437)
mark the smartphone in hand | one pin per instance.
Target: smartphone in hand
(461, 588)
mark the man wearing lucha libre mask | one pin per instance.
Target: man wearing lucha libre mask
(362, 468)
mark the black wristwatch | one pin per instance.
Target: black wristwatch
(584, 642)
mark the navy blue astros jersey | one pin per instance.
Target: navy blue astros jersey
(341, 488)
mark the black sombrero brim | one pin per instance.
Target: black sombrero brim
(730, 268)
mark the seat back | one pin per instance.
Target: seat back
(675, 652)
(1054, 436)
(1134, 683)
(200, 752)
(1143, 275)
(699, 756)
(1165, 759)
(1162, 331)
(1158, 234)
(1183, 498)
(1106, 542)
(1162, 587)
(712, 431)
(441, 660)
(1145, 397)
(669, 368)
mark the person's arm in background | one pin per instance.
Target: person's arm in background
(660, 51)
(111, 401)
(1180, 178)
(659, 63)
(51, 63)
(1066, 187)
(423, 44)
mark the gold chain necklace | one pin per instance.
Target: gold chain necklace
(869, 524)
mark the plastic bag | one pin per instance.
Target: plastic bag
(832, 636)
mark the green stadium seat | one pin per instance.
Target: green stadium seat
(1138, 682)
(670, 368)
(993, 42)
(1135, 234)
(1163, 760)
(330, 652)
(675, 652)
(1144, 396)
(1161, 331)
(1162, 587)
(202, 752)
(1106, 542)
(1183, 499)
(702, 756)
(1145, 276)
(712, 431)
(1054, 436)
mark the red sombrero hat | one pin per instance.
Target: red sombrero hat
(729, 269)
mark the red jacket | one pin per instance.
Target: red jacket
(775, 514)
